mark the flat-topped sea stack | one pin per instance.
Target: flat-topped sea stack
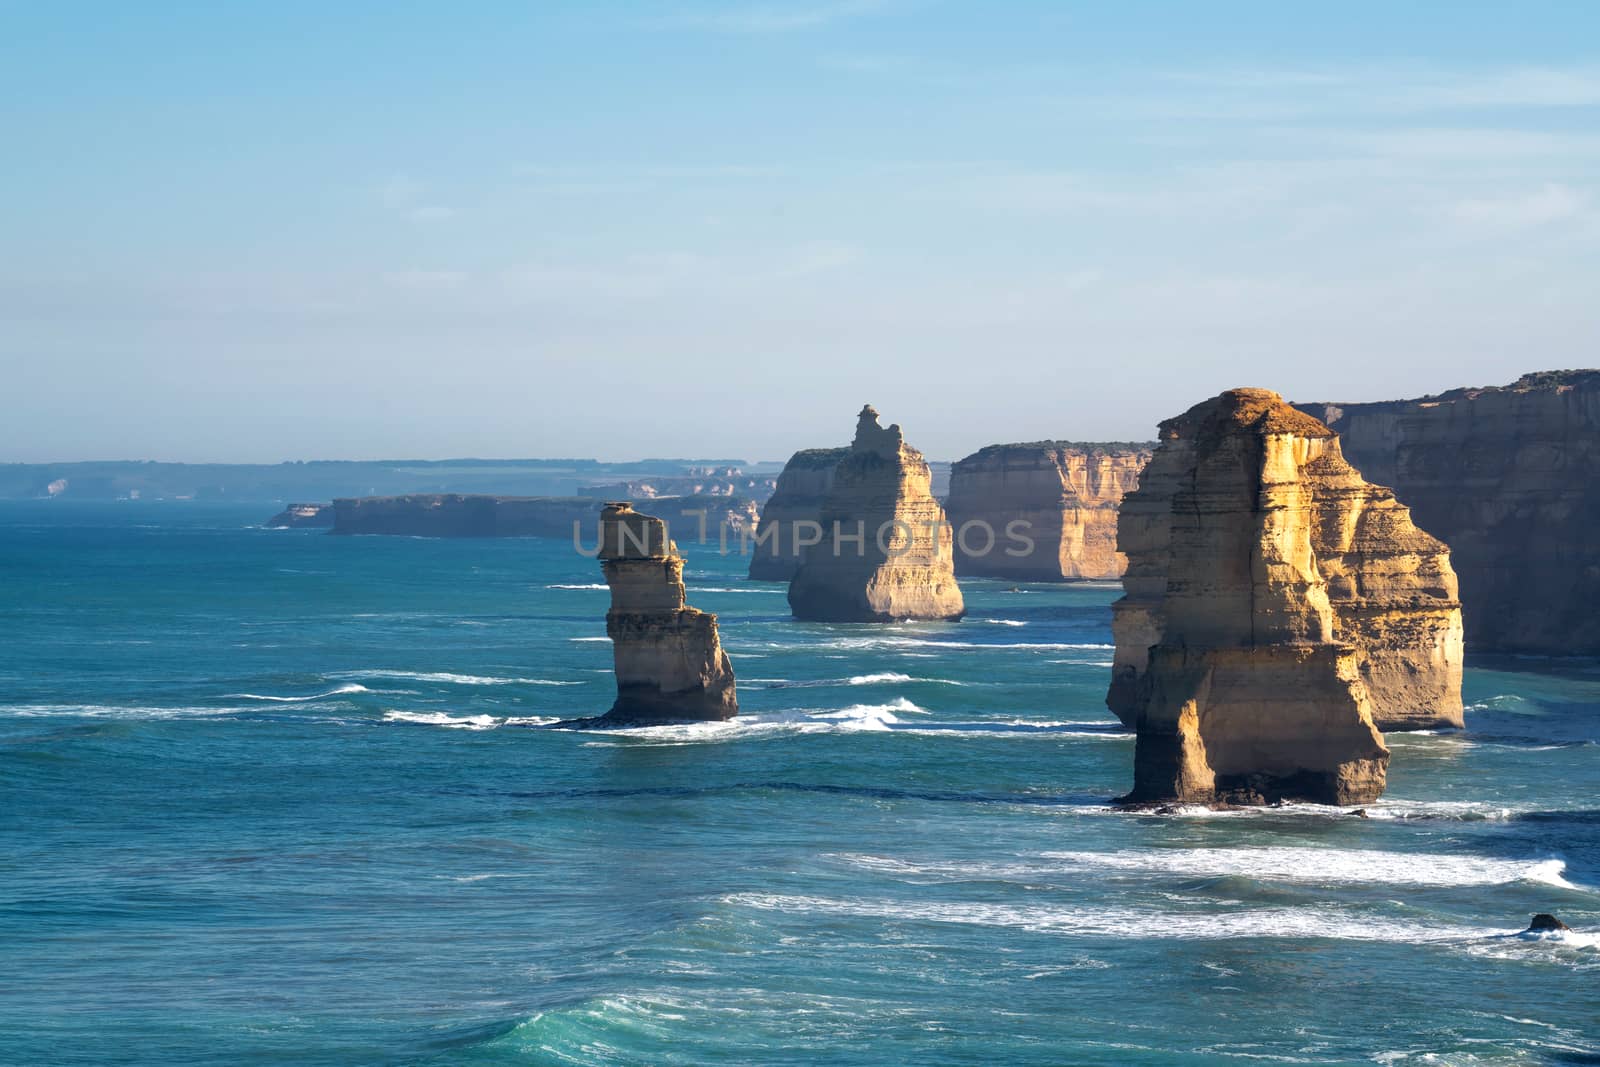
(788, 513)
(670, 665)
(1510, 477)
(1277, 609)
(885, 549)
(1044, 511)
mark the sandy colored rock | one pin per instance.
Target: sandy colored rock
(1510, 478)
(885, 551)
(1389, 584)
(1274, 603)
(788, 515)
(1044, 511)
(669, 660)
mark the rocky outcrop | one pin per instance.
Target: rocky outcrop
(1510, 477)
(297, 516)
(1044, 511)
(789, 513)
(702, 519)
(1389, 585)
(1277, 608)
(670, 665)
(885, 551)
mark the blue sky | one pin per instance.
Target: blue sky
(253, 232)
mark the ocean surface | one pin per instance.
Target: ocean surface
(271, 796)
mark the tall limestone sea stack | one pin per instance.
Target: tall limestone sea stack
(1061, 498)
(886, 550)
(787, 516)
(670, 665)
(1510, 477)
(1277, 609)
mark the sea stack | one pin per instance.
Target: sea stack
(885, 550)
(1059, 498)
(1510, 477)
(670, 665)
(1232, 660)
(789, 514)
(1389, 585)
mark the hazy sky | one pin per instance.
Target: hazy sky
(258, 231)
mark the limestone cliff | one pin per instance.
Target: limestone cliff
(1044, 511)
(786, 516)
(885, 550)
(1389, 585)
(299, 516)
(1510, 477)
(669, 660)
(1276, 607)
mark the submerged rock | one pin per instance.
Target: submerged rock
(1544, 922)
(1230, 666)
(1388, 586)
(1510, 477)
(670, 665)
(1044, 511)
(793, 512)
(884, 551)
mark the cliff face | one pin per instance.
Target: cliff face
(468, 515)
(1061, 500)
(1276, 606)
(1389, 585)
(669, 660)
(1510, 477)
(802, 487)
(886, 550)
(297, 516)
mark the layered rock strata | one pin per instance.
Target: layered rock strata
(885, 549)
(1510, 477)
(669, 660)
(1277, 607)
(1390, 585)
(1044, 511)
(788, 516)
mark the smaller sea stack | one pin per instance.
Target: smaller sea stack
(670, 665)
(884, 551)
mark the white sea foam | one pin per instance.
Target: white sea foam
(1100, 920)
(449, 678)
(581, 640)
(342, 690)
(1322, 866)
(119, 711)
(439, 718)
(585, 585)
(1005, 622)
(880, 677)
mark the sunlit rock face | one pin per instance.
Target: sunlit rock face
(670, 665)
(885, 548)
(1510, 477)
(1042, 512)
(793, 512)
(1278, 609)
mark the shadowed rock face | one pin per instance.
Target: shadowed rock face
(1510, 477)
(1277, 606)
(669, 661)
(885, 551)
(1063, 498)
(787, 515)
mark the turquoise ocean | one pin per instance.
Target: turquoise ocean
(273, 796)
